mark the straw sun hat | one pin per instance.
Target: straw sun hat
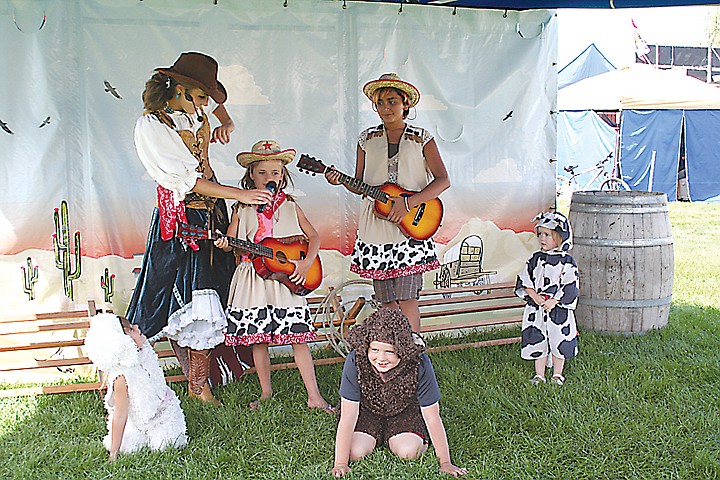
(199, 70)
(393, 80)
(265, 150)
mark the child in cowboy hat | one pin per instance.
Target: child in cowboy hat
(389, 393)
(183, 286)
(142, 410)
(406, 155)
(263, 311)
(549, 286)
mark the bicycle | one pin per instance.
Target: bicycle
(602, 179)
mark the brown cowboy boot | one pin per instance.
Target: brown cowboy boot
(198, 386)
(183, 357)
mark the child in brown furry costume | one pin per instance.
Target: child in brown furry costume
(389, 393)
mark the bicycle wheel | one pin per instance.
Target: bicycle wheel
(614, 184)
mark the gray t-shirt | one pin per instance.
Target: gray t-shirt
(428, 391)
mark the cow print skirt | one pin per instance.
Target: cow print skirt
(393, 260)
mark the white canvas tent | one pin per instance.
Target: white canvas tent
(639, 87)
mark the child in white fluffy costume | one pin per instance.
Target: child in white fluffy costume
(142, 410)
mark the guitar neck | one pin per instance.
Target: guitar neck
(250, 247)
(362, 187)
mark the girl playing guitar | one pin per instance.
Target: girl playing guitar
(263, 311)
(396, 152)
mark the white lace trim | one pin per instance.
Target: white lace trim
(200, 324)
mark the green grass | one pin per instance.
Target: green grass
(638, 407)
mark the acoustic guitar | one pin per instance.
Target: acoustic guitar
(420, 223)
(271, 257)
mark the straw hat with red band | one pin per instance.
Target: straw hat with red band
(265, 150)
(392, 80)
(198, 70)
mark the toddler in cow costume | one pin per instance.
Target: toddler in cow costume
(549, 285)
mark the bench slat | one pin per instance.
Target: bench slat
(466, 310)
(466, 298)
(45, 316)
(40, 345)
(19, 329)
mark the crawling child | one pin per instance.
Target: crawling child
(389, 394)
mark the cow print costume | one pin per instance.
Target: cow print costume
(552, 274)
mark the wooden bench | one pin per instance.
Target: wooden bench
(28, 343)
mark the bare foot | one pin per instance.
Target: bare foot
(256, 404)
(323, 407)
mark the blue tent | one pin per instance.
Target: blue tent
(584, 139)
(652, 150)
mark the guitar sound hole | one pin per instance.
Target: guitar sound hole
(281, 257)
(419, 214)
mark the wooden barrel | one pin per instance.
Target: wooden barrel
(624, 252)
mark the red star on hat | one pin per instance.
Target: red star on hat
(267, 145)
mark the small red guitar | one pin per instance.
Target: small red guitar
(271, 257)
(420, 223)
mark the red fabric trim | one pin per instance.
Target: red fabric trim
(277, 200)
(277, 339)
(170, 214)
(398, 272)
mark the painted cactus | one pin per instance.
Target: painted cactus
(61, 246)
(107, 283)
(30, 277)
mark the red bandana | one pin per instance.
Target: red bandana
(170, 214)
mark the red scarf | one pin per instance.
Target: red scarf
(170, 214)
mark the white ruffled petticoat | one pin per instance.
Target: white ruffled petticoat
(198, 325)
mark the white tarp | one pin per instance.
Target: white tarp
(639, 87)
(293, 74)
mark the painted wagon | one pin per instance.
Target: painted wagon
(466, 267)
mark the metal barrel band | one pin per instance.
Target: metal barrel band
(603, 302)
(584, 198)
(584, 208)
(631, 242)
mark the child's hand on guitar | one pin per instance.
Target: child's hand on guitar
(301, 269)
(222, 242)
(332, 176)
(398, 210)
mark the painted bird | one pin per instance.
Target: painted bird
(509, 114)
(5, 127)
(45, 122)
(110, 89)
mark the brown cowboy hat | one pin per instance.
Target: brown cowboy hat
(198, 70)
(265, 150)
(393, 80)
